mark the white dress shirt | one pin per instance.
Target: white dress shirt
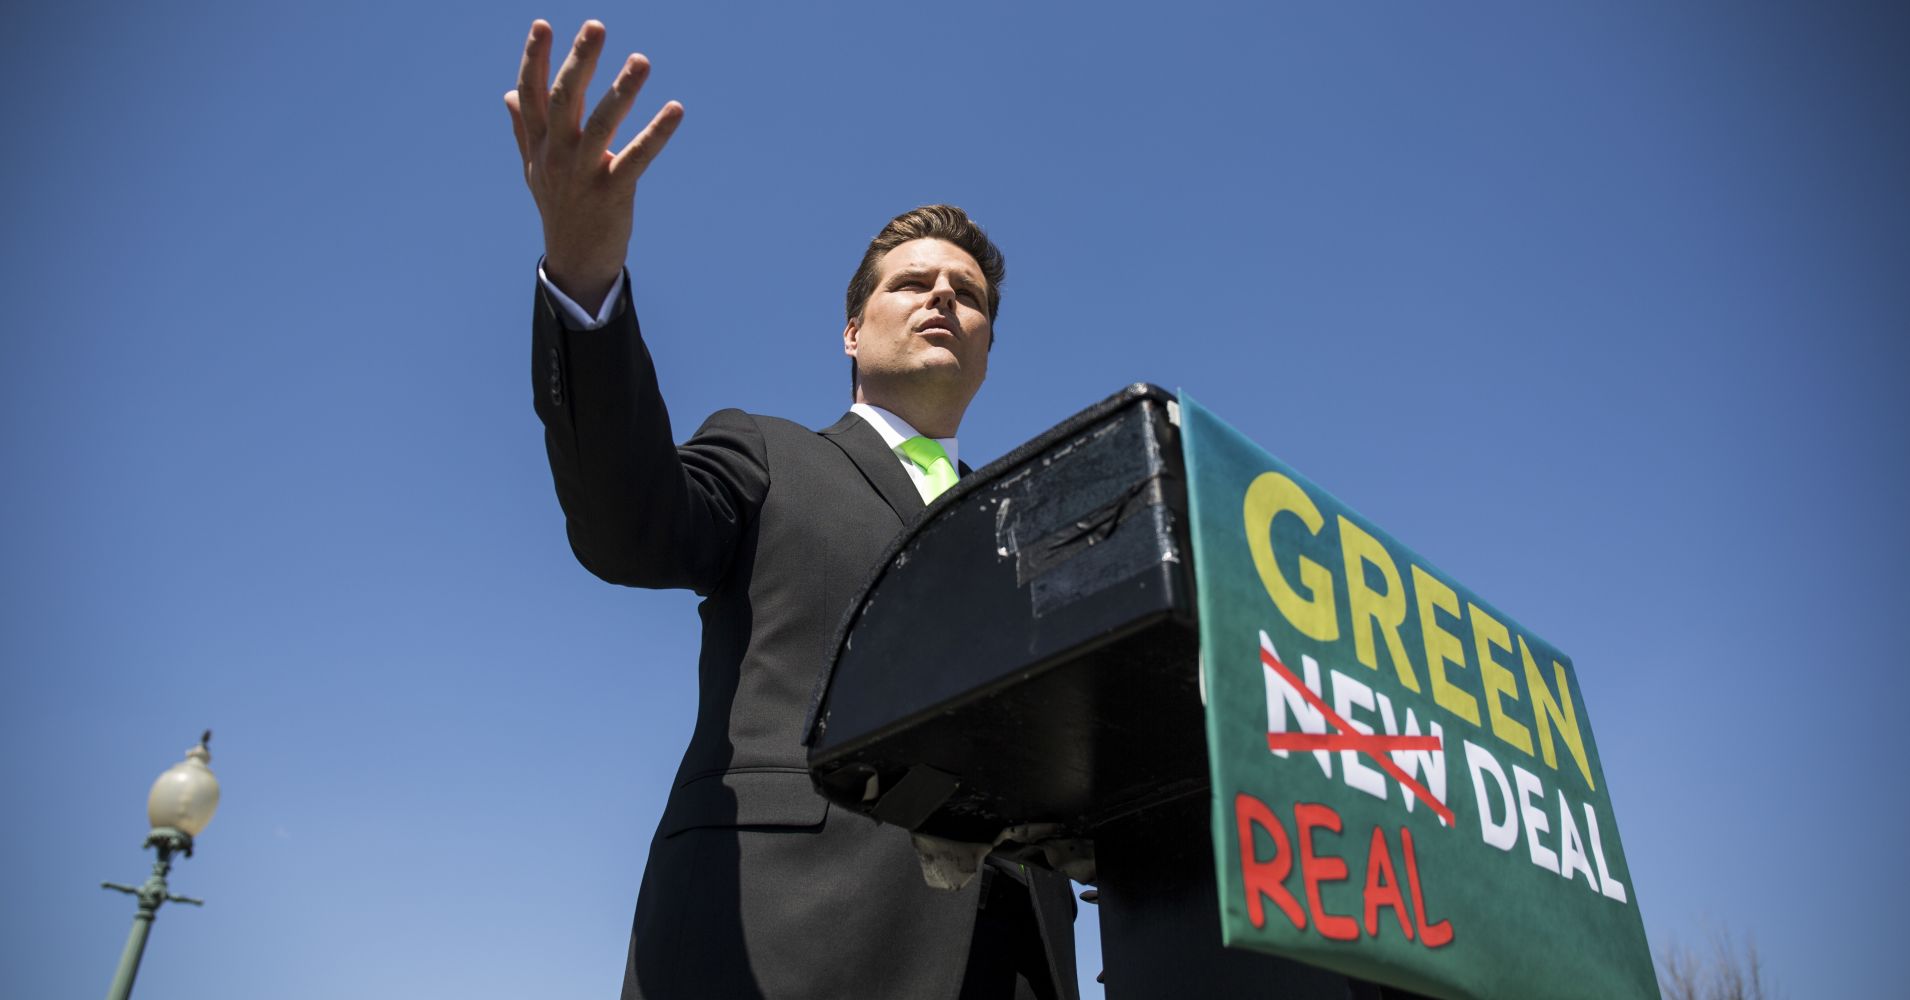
(579, 319)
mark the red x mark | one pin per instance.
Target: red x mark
(1345, 737)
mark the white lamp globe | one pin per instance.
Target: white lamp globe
(186, 796)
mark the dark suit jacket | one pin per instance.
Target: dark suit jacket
(756, 885)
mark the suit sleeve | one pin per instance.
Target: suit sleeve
(639, 510)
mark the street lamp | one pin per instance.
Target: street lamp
(180, 805)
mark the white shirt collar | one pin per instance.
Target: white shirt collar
(895, 430)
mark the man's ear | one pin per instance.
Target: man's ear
(849, 332)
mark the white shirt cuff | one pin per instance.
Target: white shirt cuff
(579, 319)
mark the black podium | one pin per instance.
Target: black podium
(1027, 654)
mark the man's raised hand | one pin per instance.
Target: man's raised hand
(584, 191)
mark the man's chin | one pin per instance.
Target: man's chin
(931, 364)
(930, 375)
(946, 370)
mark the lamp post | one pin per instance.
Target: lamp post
(180, 805)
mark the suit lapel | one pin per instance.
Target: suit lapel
(878, 464)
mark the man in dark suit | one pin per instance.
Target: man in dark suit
(755, 885)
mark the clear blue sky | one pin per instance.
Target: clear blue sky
(1600, 307)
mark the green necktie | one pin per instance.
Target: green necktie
(938, 473)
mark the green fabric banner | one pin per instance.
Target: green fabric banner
(1406, 788)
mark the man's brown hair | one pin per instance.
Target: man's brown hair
(930, 222)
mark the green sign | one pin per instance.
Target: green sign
(1406, 788)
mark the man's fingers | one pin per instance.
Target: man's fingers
(636, 156)
(512, 103)
(567, 92)
(614, 105)
(531, 74)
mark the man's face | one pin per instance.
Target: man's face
(926, 326)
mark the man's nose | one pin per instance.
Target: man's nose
(942, 295)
